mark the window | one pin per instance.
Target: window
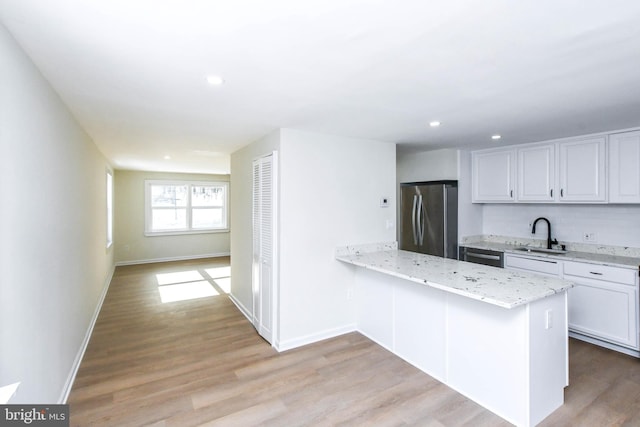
(175, 207)
(109, 208)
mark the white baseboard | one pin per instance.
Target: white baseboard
(168, 259)
(380, 343)
(315, 337)
(281, 346)
(83, 347)
(610, 346)
(241, 307)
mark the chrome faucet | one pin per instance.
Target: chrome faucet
(549, 241)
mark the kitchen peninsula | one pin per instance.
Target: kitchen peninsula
(499, 337)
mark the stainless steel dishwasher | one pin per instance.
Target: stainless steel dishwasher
(482, 256)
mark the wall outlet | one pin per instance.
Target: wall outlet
(589, 237)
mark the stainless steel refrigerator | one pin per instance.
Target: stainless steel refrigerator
(429, 218)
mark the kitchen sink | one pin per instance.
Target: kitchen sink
(541, 250)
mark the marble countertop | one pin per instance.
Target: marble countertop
(588, 257)
(493, 285)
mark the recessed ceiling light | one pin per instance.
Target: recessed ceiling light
(496, 137)
(167, 157)
(434, 124)
(215, 80)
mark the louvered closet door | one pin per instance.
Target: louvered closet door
(264, 215)
(256, 243)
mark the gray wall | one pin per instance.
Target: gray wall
(132, 246)
(53, 256)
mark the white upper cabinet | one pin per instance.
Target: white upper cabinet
(493, 174)
(624, 167)
(582, 170)
(537, 173)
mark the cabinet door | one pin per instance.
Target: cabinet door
(536, 173)
(582, 170)
(604, 310)
(624, 173)
(493, 175)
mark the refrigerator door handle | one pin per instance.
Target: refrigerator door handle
(414, 212)
(421, 220)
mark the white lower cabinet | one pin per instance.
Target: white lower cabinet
(603, 312)
(604, 303)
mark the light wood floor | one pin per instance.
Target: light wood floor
(200, 362)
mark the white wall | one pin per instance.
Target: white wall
(53, 257)
(470, 216)
(132, 246)
(433, 165)
(613, 224)
(241, 210)
(330, 189)
(445, 164)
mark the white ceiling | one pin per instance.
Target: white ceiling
(134, 71)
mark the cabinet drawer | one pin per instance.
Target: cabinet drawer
(533, 265)
(601, 272)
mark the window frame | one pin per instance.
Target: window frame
(148, 208)
(109, 202)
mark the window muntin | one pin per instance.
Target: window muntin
(186, 207)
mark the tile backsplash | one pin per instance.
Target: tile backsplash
(602, 249)
(612, 225)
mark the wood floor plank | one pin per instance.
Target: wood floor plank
(200, 362)
(252, 416)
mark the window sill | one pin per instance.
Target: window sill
(184, 232)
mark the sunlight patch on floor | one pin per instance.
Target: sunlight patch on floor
(186, 291)
(218, 272)
(192, 284)
(224, 284)
(178, 277)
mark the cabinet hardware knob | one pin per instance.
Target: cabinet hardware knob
(562, 192)
(551, 193)
(510, 193)
(596, 273)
